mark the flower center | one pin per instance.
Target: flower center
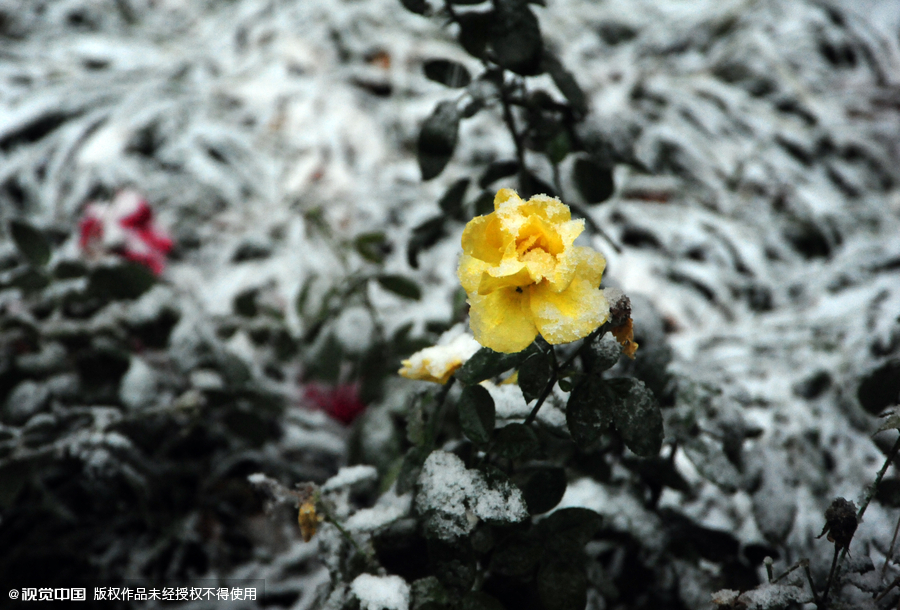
(537, 234)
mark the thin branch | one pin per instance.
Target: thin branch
(557, 369)
(809, 579)
(510, 121)
(594, 227)
(789, 570)
(438, 417)
(892, 454)
(549, 388)
(890, 552)
(890, 588)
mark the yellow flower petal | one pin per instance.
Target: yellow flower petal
(562, 317)
(439, 362)
(489, 283)
(484, 239)
(502, 320)
(550, 208)
(470, 272)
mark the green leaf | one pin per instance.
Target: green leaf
(28, 279)
(124, 281)
(437, 139)
(543, 487)
(303, 295)
(711, 462)
(13, 477)
(602, 354)
(476, 414)
(636, 416)
(594, 181)
(32, 244)
(401, 286)
(517, 555)
(428, 593)
(479, 600)
(530, 185)
(450, 73)
(483, 204)
(419, 7)
(423, 237)
(247, 425)
(888, 493)
(244, 303)
(497, 170)
(589, 411)
(485, 364)
(562, 585)
(410, 469)
(558, 147)
(516, 37)
(372, 246)
(516, 442)
(566, 84)
(475, 32)
(452, 202)
(69, 269)
(566, 384)
(570, 528)
(534, 374)
(891, 421)
(415, 422)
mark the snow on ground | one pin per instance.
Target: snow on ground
(766, 238)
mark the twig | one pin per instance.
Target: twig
(890, 552)
(594, 227)
(789, 570)
(549, 388)
(438, 418)
(556, 370)
(362, 552)
(557, 182)
(510, 121)
(892, 454)
(890, 587)
(809, 579)
(834, 564)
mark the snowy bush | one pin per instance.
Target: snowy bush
(243, 245)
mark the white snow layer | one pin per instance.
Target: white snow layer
(381, 592)
(453, 499)
(349, 476)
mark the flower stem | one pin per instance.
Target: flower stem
(557, 369)
(835, 565)
(438, 417)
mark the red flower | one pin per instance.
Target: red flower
(125, 226)
(340, 402)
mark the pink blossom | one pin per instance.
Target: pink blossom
(124, 226)
(341, 402)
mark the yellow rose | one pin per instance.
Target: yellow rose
(523, 276)
(439, 362)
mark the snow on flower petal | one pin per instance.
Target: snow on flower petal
(439, 362)
(524, 276)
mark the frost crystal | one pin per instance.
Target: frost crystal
(381, 592)
(453, 499)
